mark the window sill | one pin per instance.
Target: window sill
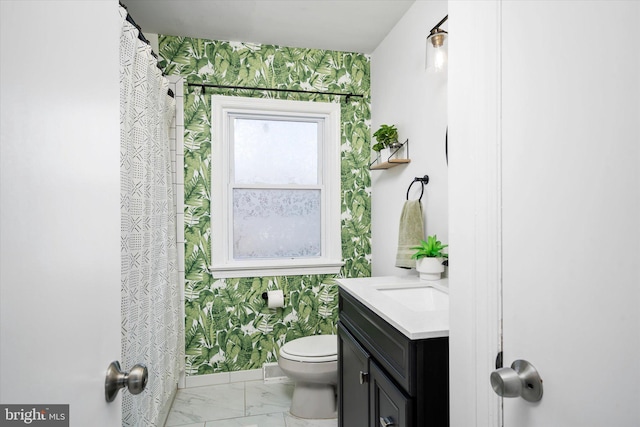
(294, 268)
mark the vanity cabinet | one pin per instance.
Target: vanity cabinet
(386, 379)
(353, 381)
(389, 405)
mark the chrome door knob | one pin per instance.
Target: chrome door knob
(520, 380)
(135, 380)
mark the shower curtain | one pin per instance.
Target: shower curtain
(152, 324)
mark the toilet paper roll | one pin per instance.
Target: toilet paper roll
(275, 299)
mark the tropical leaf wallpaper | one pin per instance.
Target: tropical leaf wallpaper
(228, 326)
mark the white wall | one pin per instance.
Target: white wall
(60, 205)
(403, 93)
(153, 41)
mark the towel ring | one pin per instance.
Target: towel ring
(424, 181)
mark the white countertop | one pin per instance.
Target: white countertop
(414, 323)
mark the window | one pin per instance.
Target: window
(275, 187)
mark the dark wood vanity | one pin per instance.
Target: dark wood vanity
(385, 378)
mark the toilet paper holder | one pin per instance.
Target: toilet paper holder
(276, 300)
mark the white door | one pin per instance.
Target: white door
(60, 207)
(571, 209)
(544, 131)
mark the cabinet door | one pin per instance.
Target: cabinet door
(353, 381)
(389, 405)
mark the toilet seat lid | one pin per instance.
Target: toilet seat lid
(312, 346)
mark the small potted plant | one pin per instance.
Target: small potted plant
(429, 258)
(387, 137)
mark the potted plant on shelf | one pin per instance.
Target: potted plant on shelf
(387, 137)
(429, 258)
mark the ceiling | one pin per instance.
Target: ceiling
(343, 25)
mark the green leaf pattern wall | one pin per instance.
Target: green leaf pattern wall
(228, 326)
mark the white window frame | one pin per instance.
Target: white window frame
(222, 263)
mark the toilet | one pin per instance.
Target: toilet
(312, 362)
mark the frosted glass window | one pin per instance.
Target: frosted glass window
(275, 187)
(275, 151)
(276, 223)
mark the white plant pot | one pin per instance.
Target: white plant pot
(396, 151)
(430, 268)
(385, 154)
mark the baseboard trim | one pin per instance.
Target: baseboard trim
(223, 378)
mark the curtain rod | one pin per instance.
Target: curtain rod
(204, 85)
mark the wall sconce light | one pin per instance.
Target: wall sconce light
(437, 48)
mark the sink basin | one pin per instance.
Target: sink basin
(418, 298)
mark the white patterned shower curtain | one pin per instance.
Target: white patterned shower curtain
(152, 323)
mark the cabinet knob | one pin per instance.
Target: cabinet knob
(364, 377)
(387, 422)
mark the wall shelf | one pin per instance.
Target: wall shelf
(392, 161)
(389, 164)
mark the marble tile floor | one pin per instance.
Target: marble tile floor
(242, 404)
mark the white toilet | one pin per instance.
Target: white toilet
(312, 362)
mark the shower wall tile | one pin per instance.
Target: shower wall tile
(180, 140)
(181, 263)
(180, 193)
(172, 139)
(181, 281)
(180, 167)
(180, 235)
(179, 115)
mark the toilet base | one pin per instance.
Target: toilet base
(314, 401)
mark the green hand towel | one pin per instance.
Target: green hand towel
(411, 233)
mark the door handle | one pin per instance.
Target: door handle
(387, 422)
(135, 380)
(364, 377)
(520, 380)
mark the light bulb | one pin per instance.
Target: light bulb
(437, 51)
